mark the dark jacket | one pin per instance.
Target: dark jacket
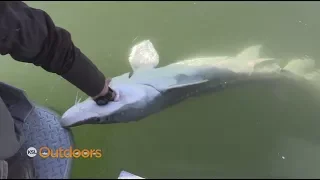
(29, 35)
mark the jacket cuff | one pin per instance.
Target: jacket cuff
(85, 75)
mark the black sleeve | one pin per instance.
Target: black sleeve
(29, 35)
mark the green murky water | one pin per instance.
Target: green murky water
(249, 132)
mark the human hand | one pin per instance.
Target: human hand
(107, 94)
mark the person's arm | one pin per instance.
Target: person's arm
(29, 35)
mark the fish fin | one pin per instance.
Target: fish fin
(252, 52)
(300, 67)
(251, 55)
(305, 68)
(143, 55)
(249, 58)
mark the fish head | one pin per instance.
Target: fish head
(130, 99)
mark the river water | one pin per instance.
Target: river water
(254, 131)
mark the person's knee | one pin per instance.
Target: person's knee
(9, 149)
(10, 137)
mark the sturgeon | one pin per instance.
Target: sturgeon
(149, 89)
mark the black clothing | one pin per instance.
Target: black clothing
(29, 35)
